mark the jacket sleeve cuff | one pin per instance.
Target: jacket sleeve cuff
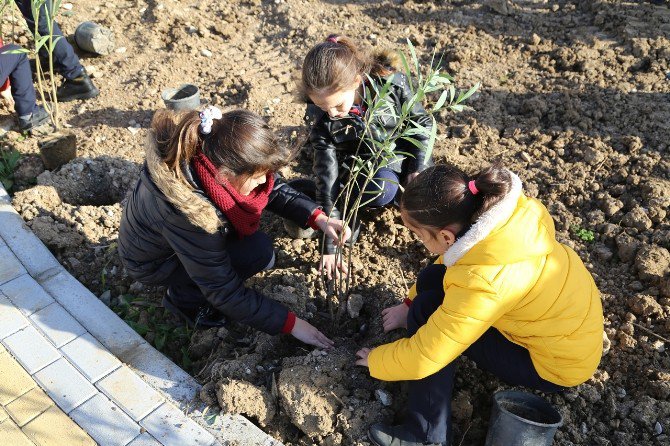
(407, 301)
(312, 218)
(5, 86)
(289, 323)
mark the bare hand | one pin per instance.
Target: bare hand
(334, 228)
(330, 265)
(363, 356)
(395, 317)
(307, 333)
(411, 176)
(7, 98)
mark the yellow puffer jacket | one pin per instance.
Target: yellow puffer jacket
(508, 271)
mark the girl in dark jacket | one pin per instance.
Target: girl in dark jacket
(334, 74)
(191, 224)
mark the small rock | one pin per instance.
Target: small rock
(637, 218)
(383, 397)
(627, 247)
(525, 156)
(205, 52)
(499, 6)
(603, 253)
(66, 6)
(593, 156)
(354, 305)
(133, 130)
(120, 50)
(535, 39)
(658, 429)
(106, 297)
(607, 344)
(652, 262)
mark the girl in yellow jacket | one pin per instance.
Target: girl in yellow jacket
(503, 292)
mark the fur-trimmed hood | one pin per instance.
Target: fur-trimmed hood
(183, 195)
(511, 235)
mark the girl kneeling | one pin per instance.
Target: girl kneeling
(503, 292)
(191, 224)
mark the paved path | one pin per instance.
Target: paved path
(73, 373)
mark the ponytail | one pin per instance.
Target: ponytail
(444, 195)
(240, 142)
(333, 65)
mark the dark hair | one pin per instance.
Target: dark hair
(240, 143)
(333, 65)
(439, 196)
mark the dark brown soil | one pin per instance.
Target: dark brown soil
(574, 99)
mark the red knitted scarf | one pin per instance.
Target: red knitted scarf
(243, 212)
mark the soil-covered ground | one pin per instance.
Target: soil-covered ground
(575, 98)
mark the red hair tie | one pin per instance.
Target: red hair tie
(332, 39)
(473, 188)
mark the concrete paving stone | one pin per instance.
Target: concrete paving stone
(55, 428)
(65, 385)
(26, 294)
(11, 435)
(105, 422)
(57, 324)
(31, 349)
(28, 406)
(30, 251)
(123, 386)
(90, 357)
(144, 440)
(94, 315)
(14, 381)
(11, 319)
(10, 266)
(171, 427)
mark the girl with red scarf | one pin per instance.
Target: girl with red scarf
(191, 223)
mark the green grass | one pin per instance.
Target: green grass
(8, 162)
(172, 340)
(585, 235)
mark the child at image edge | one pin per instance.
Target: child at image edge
(503, 292)
(335, 74)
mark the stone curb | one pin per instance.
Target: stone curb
(155, 369)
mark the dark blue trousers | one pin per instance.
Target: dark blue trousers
(66, 61)
(381, 189)
(17, 69)
(248, 257)
(429, 405)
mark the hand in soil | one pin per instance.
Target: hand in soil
(330, 266)
(395, 317)
(7, 98)
(363, 356)
(307, 333)
(333, 227)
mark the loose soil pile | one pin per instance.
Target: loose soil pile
(574, 99)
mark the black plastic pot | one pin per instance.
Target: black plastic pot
(522, 419)
(184, 97)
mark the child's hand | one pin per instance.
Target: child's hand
(7, 97)
(395, 317)
(330, 266)
(309, 334)
(363, 356)
(333, 227)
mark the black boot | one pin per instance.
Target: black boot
(38, 117)
(78, 88)
(384, 435)
(204, 317)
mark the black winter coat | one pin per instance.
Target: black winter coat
(166, 222)
(335, 140)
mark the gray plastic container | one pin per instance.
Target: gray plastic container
(184, 97)
(91, 37)
(522, 419)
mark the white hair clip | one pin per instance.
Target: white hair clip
(207, 117)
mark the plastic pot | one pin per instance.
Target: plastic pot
(91, 37)
(184, 97)
(522, 419)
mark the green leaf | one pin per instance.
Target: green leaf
(159, 342)
(431, 140)
(457, 107)
(440, 102)
(416, 142)
(408, 71)
(17, 51)
(463, 96)
(141, 329)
